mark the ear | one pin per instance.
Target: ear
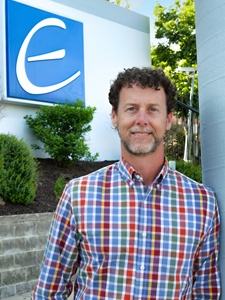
(113, 118)
(169, 121)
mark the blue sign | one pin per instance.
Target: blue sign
(45, 55)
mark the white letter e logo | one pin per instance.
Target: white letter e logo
(20, 65)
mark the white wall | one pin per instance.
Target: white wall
(114, 39)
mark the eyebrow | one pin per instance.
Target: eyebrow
(135, 104)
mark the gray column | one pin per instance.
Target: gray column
(210, 30)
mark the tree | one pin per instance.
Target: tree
(123, 3)
(175, 29)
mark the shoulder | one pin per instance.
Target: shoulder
(190, 186)
(85, 190)
(199, 199)
(100, 175)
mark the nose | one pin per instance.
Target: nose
(141, 119)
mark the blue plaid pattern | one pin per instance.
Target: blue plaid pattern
(131, 242)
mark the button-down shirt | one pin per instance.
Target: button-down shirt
(131, 241)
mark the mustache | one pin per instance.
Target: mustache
(141, 129)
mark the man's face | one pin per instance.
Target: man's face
(141, 119)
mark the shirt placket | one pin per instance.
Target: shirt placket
(144, 221)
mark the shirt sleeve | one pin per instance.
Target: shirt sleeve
(61, 254)
(206, 277)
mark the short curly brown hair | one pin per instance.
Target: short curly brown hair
(145, 77)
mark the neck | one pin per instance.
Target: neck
(148, 165)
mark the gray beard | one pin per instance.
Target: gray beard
(139, 150)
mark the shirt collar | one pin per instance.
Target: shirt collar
(129, 174)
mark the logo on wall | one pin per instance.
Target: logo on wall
(45, 57)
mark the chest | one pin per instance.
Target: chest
(135, 222)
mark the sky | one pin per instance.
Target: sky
(146, 7)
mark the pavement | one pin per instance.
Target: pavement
(26, 296)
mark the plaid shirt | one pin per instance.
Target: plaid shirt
(131, 242)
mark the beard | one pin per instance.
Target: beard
(140, 147)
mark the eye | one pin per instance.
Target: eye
(131, 109)
(153, 109)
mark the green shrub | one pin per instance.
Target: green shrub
(59, 186)
(189, 169)
(18, 170)
(62, 128)
(1, 171)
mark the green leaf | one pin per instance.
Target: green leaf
(62, 128)
(175, 31)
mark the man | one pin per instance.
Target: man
(136, 229)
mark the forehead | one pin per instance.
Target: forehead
(136, 93)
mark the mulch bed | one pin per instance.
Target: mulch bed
(45, 200)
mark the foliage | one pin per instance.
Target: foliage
(175, 29)
(174, 141)
(62, 128)
(18, 170)
(123, 3)
(189, 169)
(59, 186)
(1, 170)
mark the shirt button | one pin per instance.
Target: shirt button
(144, 234)
(145, 202)
(138, 177)
(142, 267)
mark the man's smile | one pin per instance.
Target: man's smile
(141, 133)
